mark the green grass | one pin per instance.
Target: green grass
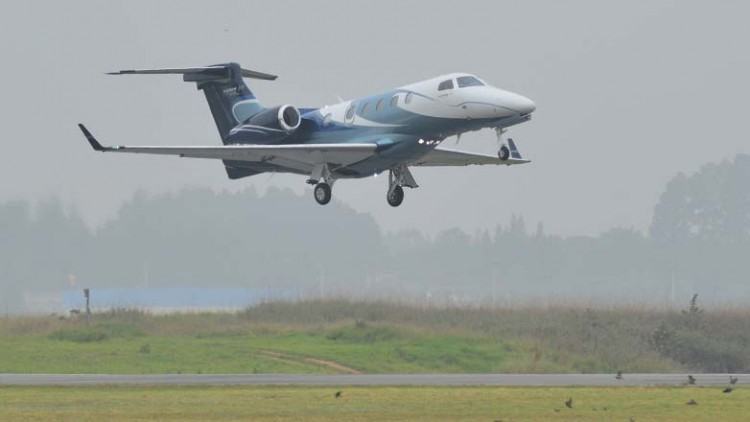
(370, 404)
(377, 337)
(373, 349)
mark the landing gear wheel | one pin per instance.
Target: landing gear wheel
(322, 193)
(503, 153)
(395, 196)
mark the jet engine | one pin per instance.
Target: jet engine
(285, 117)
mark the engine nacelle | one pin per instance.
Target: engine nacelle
(285, 117)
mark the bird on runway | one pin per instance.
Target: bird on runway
(691, 402)
(727, 390)
(337, 395)
(569, 403)
(733, 380)
(691, 380)
(619, 375)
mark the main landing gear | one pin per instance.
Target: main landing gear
(398, 177)
(322, 190)
(322, 193)
(395, 196)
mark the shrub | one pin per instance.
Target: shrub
(99, 332)
(80, 335)
(362, 333)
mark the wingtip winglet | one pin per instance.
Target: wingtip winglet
(89, 137)
(514, 153)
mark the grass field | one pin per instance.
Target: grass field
(265, 350)
(370, 337)
(371, 404)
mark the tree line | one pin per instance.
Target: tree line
(698, 242)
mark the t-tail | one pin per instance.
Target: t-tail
(230, 100)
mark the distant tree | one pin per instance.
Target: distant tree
(539, 230)
(713, 204)
(692, 316)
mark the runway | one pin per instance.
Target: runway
(515, 380)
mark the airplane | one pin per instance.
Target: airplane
(390, 131)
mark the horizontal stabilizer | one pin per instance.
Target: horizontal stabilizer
(215, 70)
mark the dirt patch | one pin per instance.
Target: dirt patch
(313, 361)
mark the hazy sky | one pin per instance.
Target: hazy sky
(628, 94)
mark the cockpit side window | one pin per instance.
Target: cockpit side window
(445, 85)
(464, 81)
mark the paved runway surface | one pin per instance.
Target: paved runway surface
(538, 380)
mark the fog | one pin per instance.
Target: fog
(629, 95)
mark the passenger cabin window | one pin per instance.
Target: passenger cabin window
(445, 85)
(465, 81)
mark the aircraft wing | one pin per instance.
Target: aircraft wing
(452, 157)
(300, 157)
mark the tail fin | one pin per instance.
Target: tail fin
(229, 99)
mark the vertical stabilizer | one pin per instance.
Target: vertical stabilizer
(229, 99)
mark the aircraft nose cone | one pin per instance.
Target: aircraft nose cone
(518, 103)
(525, 106)
(521, 104)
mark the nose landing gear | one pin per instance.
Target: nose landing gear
(503, 152)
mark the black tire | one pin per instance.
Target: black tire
(322, 193)
(395, 196)
(503, 153)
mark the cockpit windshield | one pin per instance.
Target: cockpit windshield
(464, 81)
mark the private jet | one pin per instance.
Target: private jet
(390, 131)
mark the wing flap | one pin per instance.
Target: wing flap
(451, 157)
(342, 154)
(298, 156)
